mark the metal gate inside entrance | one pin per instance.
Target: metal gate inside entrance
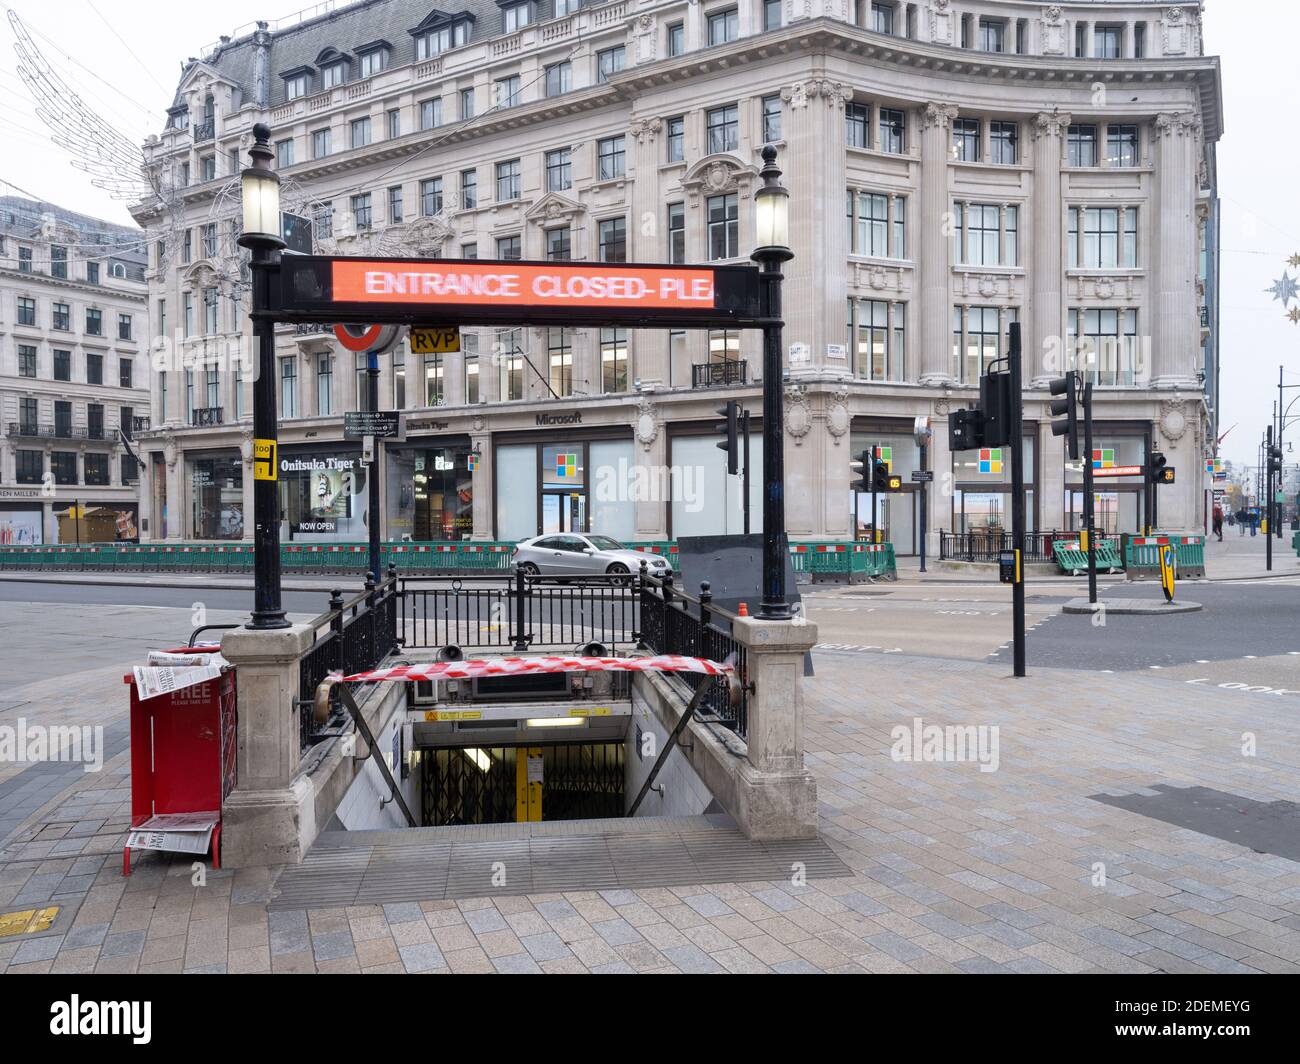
(505, 784)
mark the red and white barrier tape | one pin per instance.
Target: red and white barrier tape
(465, 670)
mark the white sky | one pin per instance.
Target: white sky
(137, 47)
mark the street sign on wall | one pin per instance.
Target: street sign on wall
(445, 292)
(382, 424)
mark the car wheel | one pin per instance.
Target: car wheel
(618, 568)
(529, 569)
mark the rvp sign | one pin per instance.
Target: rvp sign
(434, 340)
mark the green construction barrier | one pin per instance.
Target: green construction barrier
(840, 562)
(1142, 555)
(1073, 559)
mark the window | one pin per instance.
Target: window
(882, 18)
(210, 305)
(435, 42)
(361, 212)
(1109, 238)
(394, 123)
(95, 421)
(58, 261)
(399, 385)
(466, 104)
(361, 374)
(430, 197)
(610, 158)
(986, 234)
(676, 139)
(92, 273)
(208, 235)
(395, 205)
(893, 131)
(469, 189)
(333, 74)
(1108, 42)
(434, 394)
(612, 240)
(878, 349)
(469, 251)
(124, 376)
(724, 26)
(130, 469)
(559, 170)
(1004, 138)
(1082, 145)
(24, 260)
(295, 86)
(60, 317)
(559, 78)
(162, 317)
(1121, 146)
(320, 144)
(676, 39)
(371, 63)
(62, 365)
(609, 62)
(27, 360)
(27, 416)
(993, 35)
(508, 180)
(323, 219)
(559, 244)
(559, 350)
(982, 341)
(565, 7)
(94, 322)
(1105, 345)
(63, 464)
(724, 235)
(62, 418)
(510, 247)
(676, 232)
(208, 168)
(508, 91)
(613, 360)
(721, 129)
(26, 310)
(1139, 40)
(188, 310)
(324, 383)
(966, 140)
(288, 387)
(870, 229)
(857, 118)
(118, 270)
(515, 17)
(471, 368)
(360, 135)
(771, 119)
(431, 113)
(187, 253)
(97, 469)
(771, 15)
(510, 355)
(29, 466)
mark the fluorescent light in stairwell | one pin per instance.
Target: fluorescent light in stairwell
(555, 722)
(480, 758)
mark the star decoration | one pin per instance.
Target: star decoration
(1294, 260)
(1295, 315)
(1285, 289)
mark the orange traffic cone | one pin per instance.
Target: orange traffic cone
(744, 610)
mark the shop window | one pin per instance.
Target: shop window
(216, 495)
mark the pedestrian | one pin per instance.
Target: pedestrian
(1218, 521)
(1241, 522)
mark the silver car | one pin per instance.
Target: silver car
(574, 554)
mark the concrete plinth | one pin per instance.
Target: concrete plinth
(1132, 607)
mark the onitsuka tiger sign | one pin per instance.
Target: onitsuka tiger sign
(441, 291)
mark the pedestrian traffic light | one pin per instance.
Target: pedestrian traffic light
(858, 470)
(729, 429)
(1156, 468)
(882, 480)
(1067, 407)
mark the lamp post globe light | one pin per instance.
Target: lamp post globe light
(772, 224)
(261, 235)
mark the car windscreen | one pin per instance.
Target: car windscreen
(605, 543)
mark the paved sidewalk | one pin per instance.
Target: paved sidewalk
(954, 870)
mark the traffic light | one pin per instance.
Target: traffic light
(882, 480)
(858, 470)
(1275, 460)
(729, 428)
(1156, 468)
(965, 430)
(995, 405)
(1068, 407)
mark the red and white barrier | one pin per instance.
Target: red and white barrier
(465, 670)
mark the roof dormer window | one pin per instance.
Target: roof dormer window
(440, 33)
(296, 83)
(373, 58)
(333, 74)
(515, 15)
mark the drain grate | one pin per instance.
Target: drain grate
(437, 864)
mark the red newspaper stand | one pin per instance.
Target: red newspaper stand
(182, 755)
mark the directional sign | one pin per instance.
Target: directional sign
(923, 476)
(361, 423)
(434, 340)
(264, 464)
(1167, 572)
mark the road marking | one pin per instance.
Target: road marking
(1251, 689)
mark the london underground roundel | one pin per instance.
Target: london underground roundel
(376, 338)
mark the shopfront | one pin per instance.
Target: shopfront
(430, 489)
(898, 513)
(981, 499)
(1120, 503)
(323, 494)
(88, 521)
(21, 517)
(577, 484)
(216, 486)
(706, 500)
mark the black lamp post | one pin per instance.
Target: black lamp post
(261, 235)
(772, 217)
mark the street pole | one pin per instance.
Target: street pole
(372, 380)
(1017, 417)
(1268, 539)
(772, 222)
(744, 480)
(925, 496)
(875, 457)
(261, 235)
(1089, 499)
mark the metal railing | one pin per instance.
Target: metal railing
(716, 374)
(516, 611)
(207, 415)
(204, 130)
(673, 622)
(984, 545)
(351, 636)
